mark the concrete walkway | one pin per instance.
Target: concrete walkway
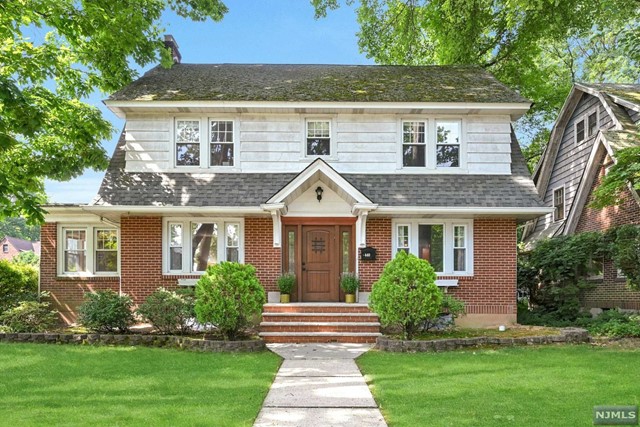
(319, 385)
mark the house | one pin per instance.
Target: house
(311, 169)
(12, 246)
(595, 122)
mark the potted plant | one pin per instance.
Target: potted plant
(349, 282)
(286, 282)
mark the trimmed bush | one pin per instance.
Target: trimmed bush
(350, 283)
(228, 295)
(169, 312)
(614, 324)
(17, 283)
(30, 316)
(286, 282)
(106, 311)
(406, 294)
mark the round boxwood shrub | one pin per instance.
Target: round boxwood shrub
(30, 316)
(169, 312)
(106, 311)
(406, 295)
(17, 283)
(228, 295)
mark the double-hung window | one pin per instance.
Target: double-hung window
(221, 148)
(318, 138)
(445, 244)
(88, 250)
(448, 143)
(192, 245)
(187, 136)
(586, 126)
(558, 204)
(414, 143)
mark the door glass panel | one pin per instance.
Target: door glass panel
(291, 251)
(431, 245)
(346, 246)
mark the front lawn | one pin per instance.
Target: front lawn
(108, 386)
(518, 386)
(511, 332)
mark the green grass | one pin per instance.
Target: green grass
(519, 386)
(130, 386)
(519, 332)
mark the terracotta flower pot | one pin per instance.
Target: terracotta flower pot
(285, 298)
(350, 298)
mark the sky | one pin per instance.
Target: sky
(253, 31)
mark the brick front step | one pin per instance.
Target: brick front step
(354, 327)
(319, 337)
(316, 308)
(319, 322)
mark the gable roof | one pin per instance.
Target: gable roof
(120, 188)
(318, 83)
(621, 93)
(19, 244)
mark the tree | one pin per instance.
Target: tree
(536, 47)
(18, 227)
(622, 176)
(46, 131)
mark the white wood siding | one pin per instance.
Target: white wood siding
(362, 143)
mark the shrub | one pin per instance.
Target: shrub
(350, 283)
(406, 294)
(286, 282)
(17, 283)
(625, 252)
(613, 323)
(450, 309)
(106, 311)
(228, 295)
(169, 312)
(27, 258)
(30, 316)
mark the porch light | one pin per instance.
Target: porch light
(319, 192)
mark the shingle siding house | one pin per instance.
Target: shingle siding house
(299, 168)
(595, 122)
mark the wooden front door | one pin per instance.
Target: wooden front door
(320, 275)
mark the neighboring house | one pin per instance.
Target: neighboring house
(12, 246)
(307, 169)
(595, 122)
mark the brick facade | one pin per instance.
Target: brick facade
(491, 290)
(611, 291)
(259, 251)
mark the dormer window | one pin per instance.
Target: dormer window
(558, 204)
(448, 144)
(586, 126)
(187, 142)
(221, 134)
(318, 140)
(413, 144)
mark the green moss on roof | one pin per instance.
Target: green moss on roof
(624, 91)
(318, 83)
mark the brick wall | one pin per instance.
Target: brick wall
(491, 290)
(259, 251)
(610, 292)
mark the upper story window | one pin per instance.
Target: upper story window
(414, 144)
(191, 246)
(448, 143)
(318, 141)
(446, 244)
(221, 136)
(88, 250)
(187, 142)
(586, 126)
(558, 204)
(5, 248)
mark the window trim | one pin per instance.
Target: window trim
(597, 276)
(5, 248)
(430, 142)
(90, 233)
(465, 247)
(584, 119)
(236, 146)
(564, 203)
(425, 144)
(186, 242)
(413, 224)
(96, 250)
(459, 144)
(204, 135)
(333, 145)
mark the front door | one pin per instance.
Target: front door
(320, 264)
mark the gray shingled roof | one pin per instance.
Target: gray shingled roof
(626, 91)
(317, 83)
(20, 244)
(252, 189)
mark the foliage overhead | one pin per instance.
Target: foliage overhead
(537, 47)
(406, 294)
(228, 296)
(55, 53)
(615, 184)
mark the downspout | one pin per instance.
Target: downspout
(115, 224)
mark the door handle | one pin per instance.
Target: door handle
(304, 267)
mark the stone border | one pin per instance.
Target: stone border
(567, 335)
(160, 341)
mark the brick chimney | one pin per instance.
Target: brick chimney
(171, 43)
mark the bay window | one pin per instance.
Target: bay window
(190, 246)
(446, 244)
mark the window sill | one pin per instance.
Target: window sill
(187, 282)
(88, 276)
(446, 283)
